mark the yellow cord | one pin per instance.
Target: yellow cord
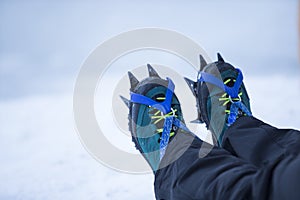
(227, 99)
(161, 117)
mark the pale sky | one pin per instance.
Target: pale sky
(44, 43)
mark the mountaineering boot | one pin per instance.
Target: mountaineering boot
(221, 96)
(155, 115)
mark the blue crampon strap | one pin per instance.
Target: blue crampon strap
(169, 121)
(234, 108)
(233, 92)
(164, 107)
(165, 136)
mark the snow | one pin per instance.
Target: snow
(42, 158)
(42, 48)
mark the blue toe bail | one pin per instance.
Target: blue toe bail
(231, 91)
(164, 107)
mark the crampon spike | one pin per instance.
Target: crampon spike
(133, 81)
(196, 121)
(203, 63)
(192, 85)
(126, 101)
(220, 59)
(151, 71)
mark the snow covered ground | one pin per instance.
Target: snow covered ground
(42, 158)
(43, 46)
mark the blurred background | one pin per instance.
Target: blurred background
(43, 44)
